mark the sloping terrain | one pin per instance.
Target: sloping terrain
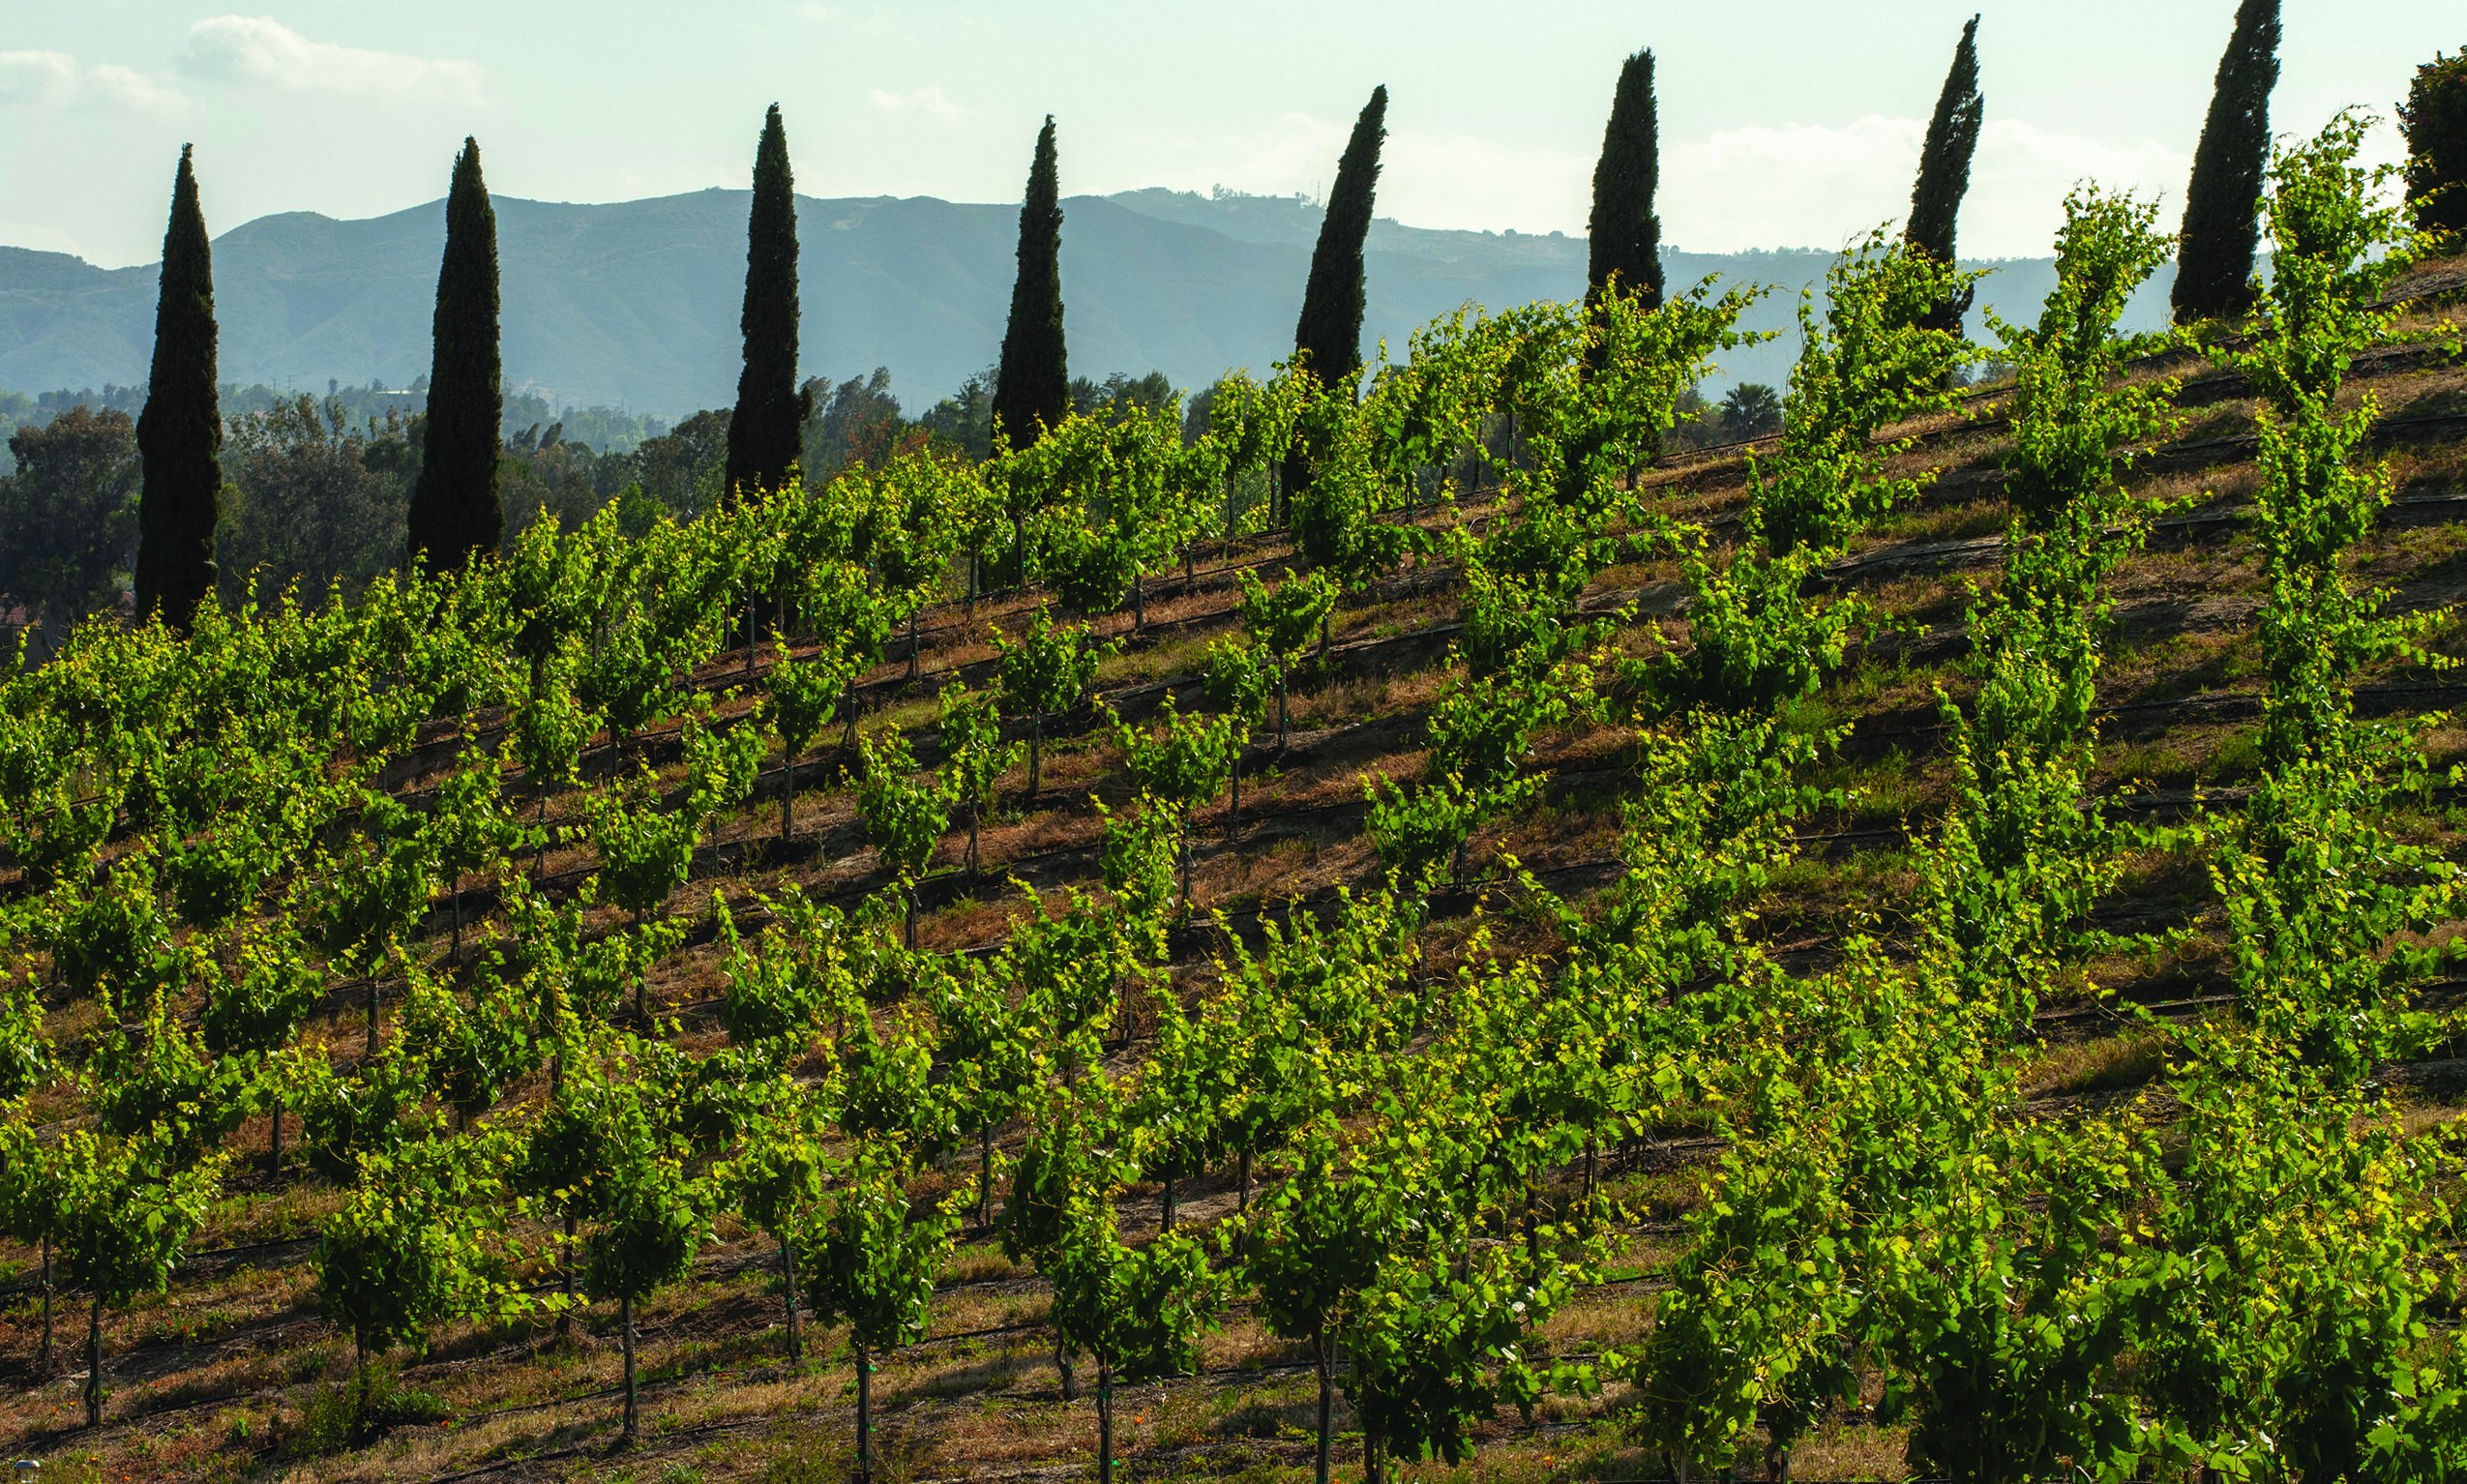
(233, 1372)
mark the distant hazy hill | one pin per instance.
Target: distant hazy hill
(635, 303)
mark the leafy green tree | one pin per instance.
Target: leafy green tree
(1282, 621)
(475, 1051)
(1750, 409)
(1032, 387)
(2435, 120)
(1435, 1348)
(409, 1248)
(1623, 237)
(797, 702)
(764, 431)
(778, 1177)
(1140, 1312)
(69, 517)
(162, 1085)
(256, 1011)
(373, 890)
(215, 876)
(469, 830)
(180, 433)
(110, 942)
(1179, 768)
(32, 1185)
(644, 854)
(2222, 204)
(990, 1048)
(121, 1222)
(1327, 338)
(796, 970)
(653, 1219)
(1235, 684)
(456, 514)
(1045, 673)
(721, 765)
(906, 815)
(1944, 172)
(1870, 360)
(974, 756)
(870, 1261)
(585, 1127)
(551, 726)
(1317, 1247)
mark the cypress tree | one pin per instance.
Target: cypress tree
(1329, 331)
(1625, 238)
(2222, 204)
(1944, 171)
(454, 511)
(1032, 386)
(179, 431)
(769, 419)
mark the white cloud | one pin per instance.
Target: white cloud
(258, 51)
(53, 78)
(35, 76)
(1459, 181)
(40, 236)
(927, 100)
(1811, 184)
(122, 88)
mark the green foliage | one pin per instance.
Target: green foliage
(1140, 1311)
(2435, 120)
(1623, 237)
(110, 942)
(162, 1087)
(763, 432)
(1876, 356)
(1033, 388)
(869, 1259)
(411, 1245)
(800, 698)
(2337, 246)
(645, 853)
(1758, 639)
(1047, 670)
(455, 513)
(795, 970)
(1328, 337)
(2214, 258)
(651, 1221)
(1944, 171)
(375, 888)
(180, 433)
(906, 813)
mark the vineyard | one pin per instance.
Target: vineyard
(1920, 946)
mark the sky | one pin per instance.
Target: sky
(1789, 122)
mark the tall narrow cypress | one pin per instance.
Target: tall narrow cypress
(1624, 240)
(2222, 204)
(1032, 385)
(179, 431)
(455, 509)
(1329, 331)
(1944, 171)
(763, 432)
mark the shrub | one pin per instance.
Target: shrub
(2434, 117)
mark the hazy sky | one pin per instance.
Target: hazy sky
(1784, 123)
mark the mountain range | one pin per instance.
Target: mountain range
(635, 304)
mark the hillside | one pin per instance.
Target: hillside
(1714, 956)
(635, 304)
